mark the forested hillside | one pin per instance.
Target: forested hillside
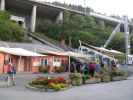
(87, 29)
(9, 30)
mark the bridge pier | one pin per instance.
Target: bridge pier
(2, 5)
(33, 19)
(60, 18)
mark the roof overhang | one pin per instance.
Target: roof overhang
(20, 52)
(25, 7)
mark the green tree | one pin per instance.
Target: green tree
(10, 31)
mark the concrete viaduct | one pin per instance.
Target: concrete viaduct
(27, 12)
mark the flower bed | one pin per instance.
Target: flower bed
(49, 84)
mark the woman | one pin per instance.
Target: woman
(11, 74)
(92, 68)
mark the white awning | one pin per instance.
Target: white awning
(116, 52)
(19, 52)
(104, 49)
(59, 53)
(76, 54)
(67, 53)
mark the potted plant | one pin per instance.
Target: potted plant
(118, 74)
(105, 74)
(76, 79)
(43, 69)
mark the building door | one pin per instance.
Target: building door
(21, 64)
(27, 64)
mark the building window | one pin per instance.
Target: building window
(57, 62)
(44, 62)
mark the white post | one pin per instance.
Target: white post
(127, 37)
(19, 64)
(33, 19)
(2, 5)
(59, 18)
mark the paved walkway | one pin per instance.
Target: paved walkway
(122, 90)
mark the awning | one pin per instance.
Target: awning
(54, 53)
(67, 53)
(19, 52)
(104, 49)
(116, 52)
(76, 54)
(110, 53)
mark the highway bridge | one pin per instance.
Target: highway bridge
(29, 11)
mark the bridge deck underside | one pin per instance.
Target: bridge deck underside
(23, 7)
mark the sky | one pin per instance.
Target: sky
(109, 7)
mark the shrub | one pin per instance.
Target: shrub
(76, 79)
(43, 69)
(85, 77)
(10, 31)
(106, 78)
(48, 80)
(59, 69)
(58, 86)
(40, 81)
(61, 79)
(105, 74)
(118, 72)
(75, 76)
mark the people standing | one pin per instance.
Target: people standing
(78, 66)
(11, 74)
(72, 67)
(92, 68)
(98, 66)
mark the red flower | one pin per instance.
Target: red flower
(61, 79)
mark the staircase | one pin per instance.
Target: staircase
(43, 41)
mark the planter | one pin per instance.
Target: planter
(50, 90)
(93, 81)
(38, 88)
(33, 88)
(76, 79)
(106, 78)
(119, 78)
(77, 82)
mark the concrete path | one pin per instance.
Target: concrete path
(122, 90)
